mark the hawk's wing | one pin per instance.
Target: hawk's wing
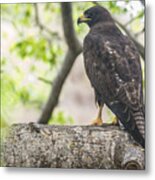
(117, 66)
(113, 67)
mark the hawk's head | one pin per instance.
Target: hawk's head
(95, 15)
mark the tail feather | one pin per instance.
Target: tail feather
(140, 122)
(134, 122)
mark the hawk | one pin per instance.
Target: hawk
(113, 67)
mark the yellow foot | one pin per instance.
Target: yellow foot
(97, 122)
(114, 121)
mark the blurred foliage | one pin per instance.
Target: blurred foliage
(61, 119)
(18, 13)
(36, 49)
(9, 97)
(114, 7)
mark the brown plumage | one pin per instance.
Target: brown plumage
(113, 67)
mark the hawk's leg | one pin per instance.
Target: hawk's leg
(98, 121)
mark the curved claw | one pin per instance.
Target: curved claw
(97, 122)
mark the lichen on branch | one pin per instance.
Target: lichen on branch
(35, 145)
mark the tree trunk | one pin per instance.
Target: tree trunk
(35, 145)
(74, 49)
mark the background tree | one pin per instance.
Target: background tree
(37, 57)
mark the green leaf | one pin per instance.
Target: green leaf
(61, 118)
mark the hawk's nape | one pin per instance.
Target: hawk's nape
(113, 67)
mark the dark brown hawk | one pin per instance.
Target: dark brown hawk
(113, 67)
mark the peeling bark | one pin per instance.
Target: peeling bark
(35, 145)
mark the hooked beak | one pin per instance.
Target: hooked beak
(83, 19)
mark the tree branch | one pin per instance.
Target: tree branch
(69, 32)
(34, 145)
(133, 19)
(45, 80)
(140, 32)
(39, 24)
(143, 2)
(74, 49)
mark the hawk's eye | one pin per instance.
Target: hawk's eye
(89, 15)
